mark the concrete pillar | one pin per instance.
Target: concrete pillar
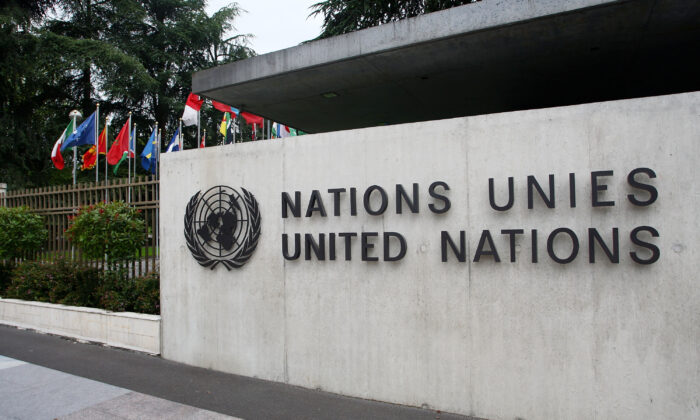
(3, 192)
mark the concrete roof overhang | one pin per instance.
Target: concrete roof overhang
(492, 56)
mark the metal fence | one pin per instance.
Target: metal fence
(56, 203)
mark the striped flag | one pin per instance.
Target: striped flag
(56, 156)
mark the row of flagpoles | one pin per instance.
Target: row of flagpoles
(124, 145)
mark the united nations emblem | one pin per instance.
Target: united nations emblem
(222, 226)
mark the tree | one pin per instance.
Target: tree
(343, 16)
(129, 55)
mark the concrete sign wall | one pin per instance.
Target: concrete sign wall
(421, 277)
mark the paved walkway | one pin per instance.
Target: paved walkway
(29, 391)
(48, 377)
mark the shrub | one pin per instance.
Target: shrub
(112, 229)
(148, 294)
(70, 283)
(21, 232)
(5, 276)
(62, 282)
(120, 294)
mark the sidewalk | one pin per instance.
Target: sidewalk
(29, 391)
(47, 377)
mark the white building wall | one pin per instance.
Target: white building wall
(495, 340)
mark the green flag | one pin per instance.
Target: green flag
(124, 157)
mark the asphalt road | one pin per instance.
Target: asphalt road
(233, 395)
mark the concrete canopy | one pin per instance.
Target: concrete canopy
(492, 56)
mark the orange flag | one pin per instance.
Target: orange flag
(89, 157)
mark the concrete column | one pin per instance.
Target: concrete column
(3, 192)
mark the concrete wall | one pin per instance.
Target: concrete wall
(133, 331)
(493, 339)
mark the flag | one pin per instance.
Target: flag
(129, 153)
(252, 119)
(123, 158)
(225, 108)
(90, 157)
(56, 156)
(225, 123)
(132, 143)
(230, 133)
(120, 145)
(283, 131)
(174, 146)
(102, 142)
(202, 144)
(85, 134)
(192, 107)
(149, 158)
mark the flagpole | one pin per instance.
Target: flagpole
(97, 146)
(179, 140)
(156, 149)
(158, 191)
(198, 134)
(128, 170)
(107, 122)
(75, 148)
(158, 156)
(135, 152)
(133, 141)
(75, 114)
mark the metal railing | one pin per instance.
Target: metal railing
(56, 203)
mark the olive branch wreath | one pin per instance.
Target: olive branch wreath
(248, 247)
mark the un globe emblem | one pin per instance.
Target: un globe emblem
(222, 226)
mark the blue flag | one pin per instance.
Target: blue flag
(149, 157)
(132, 143)
(85, 134)
(174, 145)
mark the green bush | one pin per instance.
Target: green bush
(120, 294)
(21, 232)
(5, 276)
(112, 229)
(62, 282)
(73, 284)
(147, 294)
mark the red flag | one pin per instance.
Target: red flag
(89, 159)
(120, 145)
(252, 119)
(201, 143)
(102, 142)
(56, 156)
(225, 108)
(194, 102)
(192, 107)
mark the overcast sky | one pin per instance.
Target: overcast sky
(276, 24)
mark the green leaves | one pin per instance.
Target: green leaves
(115, 230)
(343, 16)
(130, 55)
(21, 232)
